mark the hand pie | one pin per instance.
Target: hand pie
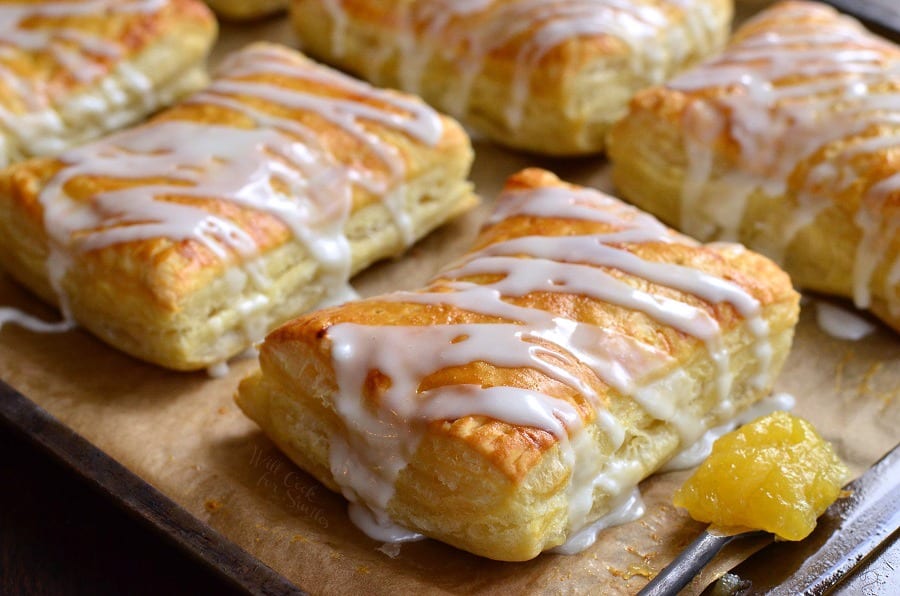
(547, 76)
(184, 240)
(790, 143)
(514, 404)
(73, 70)
(245, 10)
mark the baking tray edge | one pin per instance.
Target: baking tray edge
(139, 498)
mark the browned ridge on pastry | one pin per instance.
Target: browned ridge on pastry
(514, 404)
(547, 76)
(184, 240)
(73, 70)
(788, 142)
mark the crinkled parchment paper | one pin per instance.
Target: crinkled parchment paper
(183, 434)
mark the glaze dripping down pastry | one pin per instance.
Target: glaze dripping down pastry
(73, 70)
(547, 76)
(788, 142)
(514, 404)
(184, 240)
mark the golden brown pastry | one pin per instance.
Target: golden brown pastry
(790, 143)
(184, 240)
(547, 76)
(73, 70)
(245, 10)
(514, 404)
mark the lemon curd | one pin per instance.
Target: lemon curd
(775, 474)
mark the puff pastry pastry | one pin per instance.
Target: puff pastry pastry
(184, 240)
(788, 142)
(547, 76)
(514, 404)
(73, 70)
(245, 10)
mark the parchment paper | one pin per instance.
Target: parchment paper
(183, 434)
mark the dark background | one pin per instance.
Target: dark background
(58, 535)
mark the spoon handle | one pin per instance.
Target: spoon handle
(687, 564)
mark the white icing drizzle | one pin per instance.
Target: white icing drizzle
(841, 323)
(693, 455)
(471, 30)
(629, 509)
(81, 54)
(9, 315)
(338, 25)
(251, 352)
(381, 439)
(814, 80)
(381, 529)
(218, 370)
(197, 161)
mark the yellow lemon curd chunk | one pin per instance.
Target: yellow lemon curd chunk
(775, 474)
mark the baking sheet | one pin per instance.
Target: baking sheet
(183, 434)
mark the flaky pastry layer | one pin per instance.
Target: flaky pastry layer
(435, 385)
(545, 76)
(184, 240)
(69, 75)
(787, 143)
